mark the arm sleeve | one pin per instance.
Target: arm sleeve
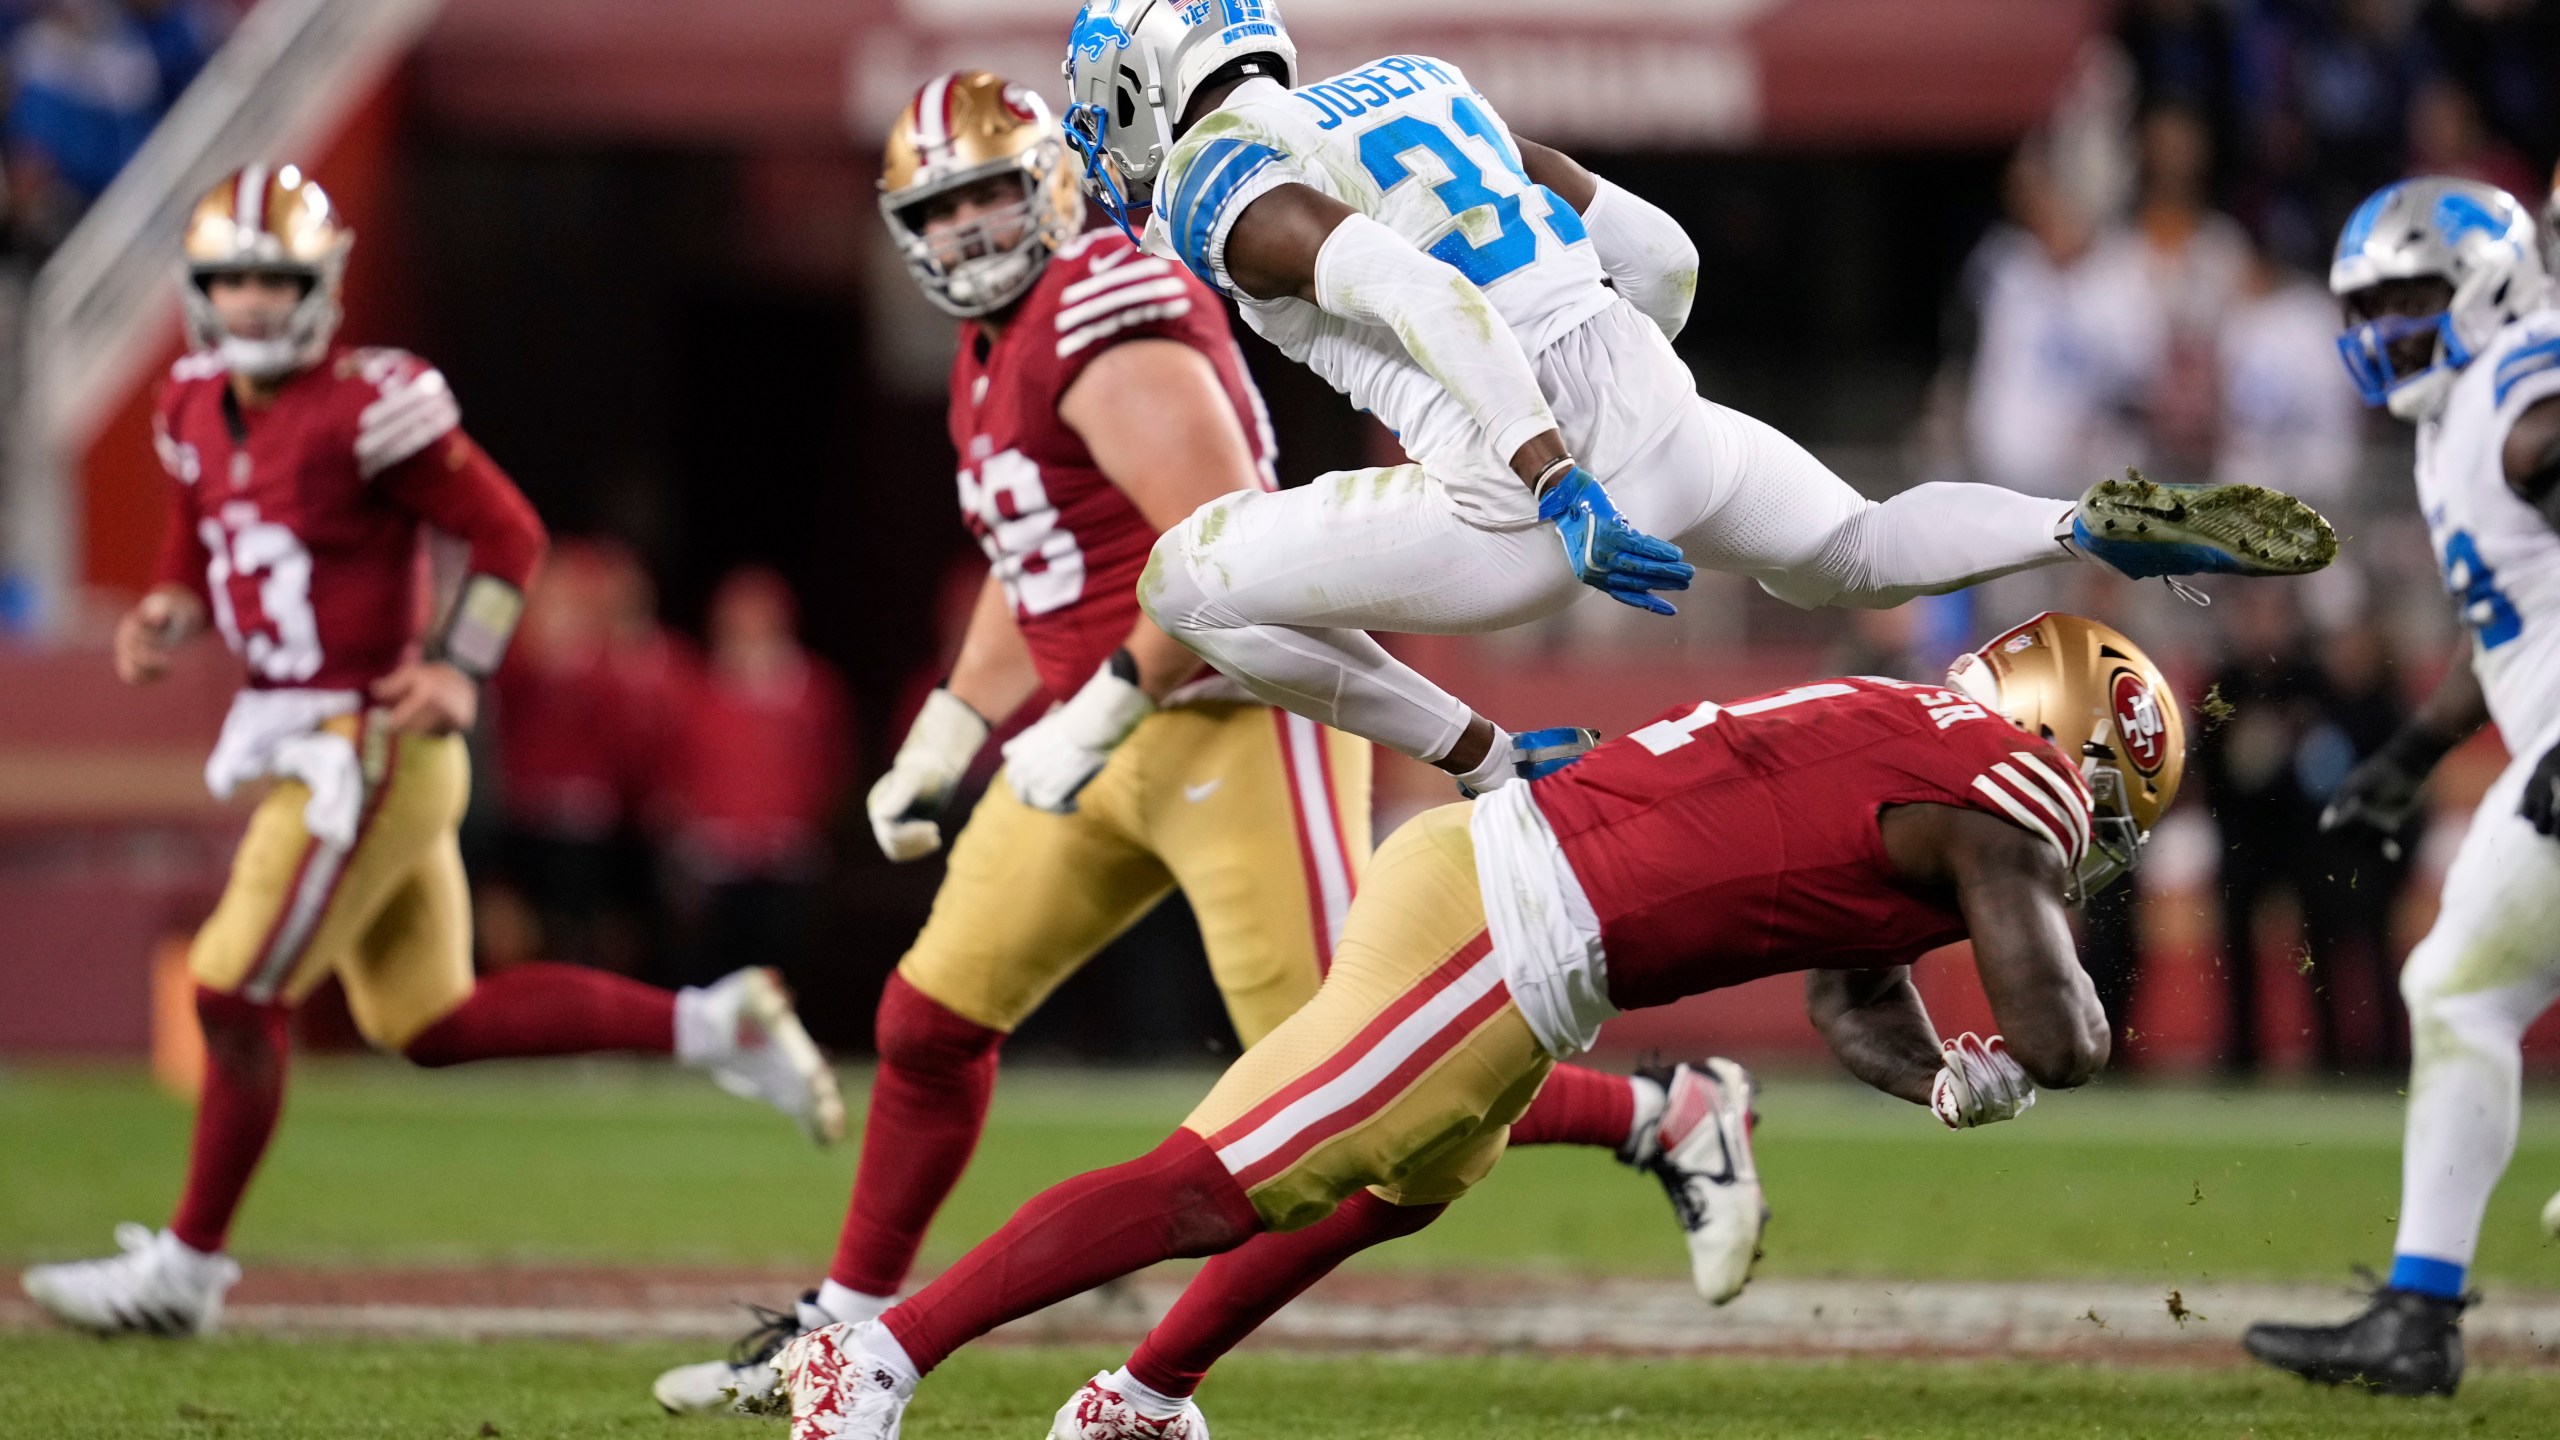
(1367, 273)
(455, 486)
(1647, 254)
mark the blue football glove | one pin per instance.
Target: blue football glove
(1608, 554)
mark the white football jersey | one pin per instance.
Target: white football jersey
(1409, 143)
(2501, 559)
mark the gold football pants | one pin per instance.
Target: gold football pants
(390, 915)
(1262, 817)
(1405, 1072)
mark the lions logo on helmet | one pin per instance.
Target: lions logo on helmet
(266, 220)
(2474, 238)
(2098, 699)
(1133, 68)
(962, 130)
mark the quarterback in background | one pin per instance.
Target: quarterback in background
(2455, 328)
(1098, 397)
(1844, 828)
(1508, 315)
(305, 478)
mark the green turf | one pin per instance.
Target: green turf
(609, 1163)
(62, 1388)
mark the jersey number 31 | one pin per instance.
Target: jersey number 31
(1383, 150)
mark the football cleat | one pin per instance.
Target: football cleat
(1536, 754)
(2146, 529)
(836, 1392)
(746, 1381)
(1099, 1412)
(2405, 1343)
(1701, 1152)
(754, 1047)
(158, 1286)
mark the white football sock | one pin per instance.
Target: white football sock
(1642, 1140)
(844, 1303)
(1152, 1403)
(698, 1031)
(875, 1342)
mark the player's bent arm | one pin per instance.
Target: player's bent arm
(2010, 885)
(1297, 242)
(1874, 1022)
(452, 484)
(2531, 458)
(1650, 259)
(1180, 450)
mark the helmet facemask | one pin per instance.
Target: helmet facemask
(988, 261)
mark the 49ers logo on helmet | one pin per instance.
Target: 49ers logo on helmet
(2138, 722)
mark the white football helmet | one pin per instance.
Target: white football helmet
(2474, 237)
(1133, 67)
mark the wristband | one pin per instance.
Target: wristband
(1555, 470)
(483, 621)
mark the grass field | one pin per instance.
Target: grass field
(626, 1164)
(377, 1165)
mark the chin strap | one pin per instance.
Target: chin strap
(483, 622)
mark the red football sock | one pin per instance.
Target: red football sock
(1235, 1292)
(1172, 1202)
(1579, 1107)
(542, 1008)
(244, 1061)
(928, 1107)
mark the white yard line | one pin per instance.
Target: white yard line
(1426, 1313)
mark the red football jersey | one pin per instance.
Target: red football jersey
(299, 521)
(1721, 843)
(1065, 542)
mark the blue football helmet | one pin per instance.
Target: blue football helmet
(2476, 239)
(1133, 67)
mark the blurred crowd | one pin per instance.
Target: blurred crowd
(2156, 297)
(83, 83)
(648, 805)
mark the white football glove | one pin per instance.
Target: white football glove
(1056, 757)
(1979, 1084)
(906, 804)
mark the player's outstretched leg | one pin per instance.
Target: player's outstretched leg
(742, 1029)
(173, 1282)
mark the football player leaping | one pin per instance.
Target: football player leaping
(1843, 828)
(302, 475)
(1097, 397)
(1504, 311)
(2455, 329)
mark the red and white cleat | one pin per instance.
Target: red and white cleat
(836, 1391)
(1701, 1152)
(1099, 1412)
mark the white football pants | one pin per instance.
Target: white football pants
(2487, 968)
(1277, 589)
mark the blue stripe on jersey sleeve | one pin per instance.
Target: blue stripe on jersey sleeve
(1221, 170)
(2531, 360)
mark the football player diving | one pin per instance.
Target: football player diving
(1508, 314)
(1098, 397)
(304, 477)
(1844, 828)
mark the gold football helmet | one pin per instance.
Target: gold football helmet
(274, 221)
(2099, 700)
(961, 129)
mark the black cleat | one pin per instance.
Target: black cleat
(2405, 1343)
